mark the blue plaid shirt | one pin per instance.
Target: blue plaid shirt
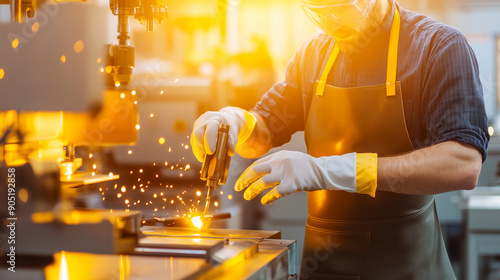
(442, 93)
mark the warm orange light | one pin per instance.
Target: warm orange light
(98, 60)
(134, 92)
(161, 140)
(129, 152)
(117, 84)
(2, 73)
(15, 43)
(137, 127)
(35, 27)
(122, 95)
(230, 197)
(216, 204)
(63, 58)
(198, 193)
(151, 115)
(186, 147)
(123, 189)
(119, 195)
(78, 46)
(155, 195)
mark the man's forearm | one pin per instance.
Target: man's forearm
(259, 142)
(444, 167)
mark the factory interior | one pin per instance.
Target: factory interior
(97, 104)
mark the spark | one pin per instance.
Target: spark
(100, 189)
(221, 192)
(133, 187)
(156, 209)
(140, 170)
(98, 60)
(172, 201)
(130, 152)
(119, 195)
(176, 80)
(230, 197)
(110, 174)
(187, 167)
(155, 195)
(151, 115)
(103, 198)
(138, 179)
(169, 149)
(216, 204)
(156, 175)
(172, 167)
(94, 166)
(161, 194)
(91, 155)
(101, 69)
(35, 27)
(93, 173)
(126, 201)
(63, 59)
(116, 186)
(137, 127)
(180, 175)
(131, 171)
(123, 189)
(161, 140)
(166, 163)
(142, 190)
(198, 193)
(161, 92)
(134, 92)
(196, 221)
(117, 84)
(135, 102)
(122, 95)
(186, 147)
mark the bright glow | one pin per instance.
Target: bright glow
(491, 130)
(135, 102)
(99, 60)
(197, 222)
(172, 201)
(35, 27)
(198, 193)
(93, 173)
(161, 140)
(188, 166)
(123, 189)
(137, 126)
(91, 155)
(140, 170)
(166, 163)
(109, 69)
(155, 195)
(119, 195)
(176, 80)
(63, 58)
(101, 70)
(94, 166)
(110, 174)
(216, 204)
(122, 95)
(15, 43)
(161, 92)
(134, 92)
(126, 201)
(129, 152)
(230, 197)
(186, 147)
(63, 268)
(142, 190)
(2, 73)
(151, 115)
(117, 84)
(78, 46)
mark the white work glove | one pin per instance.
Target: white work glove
(204, 136)
(288, 171)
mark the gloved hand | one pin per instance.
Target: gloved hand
(288, 171)
(204, 136)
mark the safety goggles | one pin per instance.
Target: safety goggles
(340, 12)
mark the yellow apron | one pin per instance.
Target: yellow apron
(355, 236)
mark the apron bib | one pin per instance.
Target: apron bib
(355, 236)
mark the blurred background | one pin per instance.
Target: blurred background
(209, 54)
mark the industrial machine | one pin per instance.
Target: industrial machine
(64, 96)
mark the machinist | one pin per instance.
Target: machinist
(393, 112)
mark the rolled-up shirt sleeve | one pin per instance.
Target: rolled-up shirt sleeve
(453, 96)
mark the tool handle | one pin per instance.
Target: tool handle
(216, 166)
